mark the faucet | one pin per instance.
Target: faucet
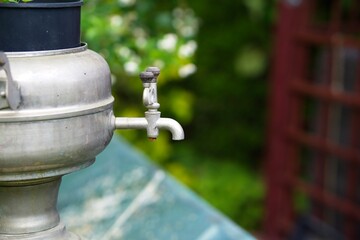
(152, 121)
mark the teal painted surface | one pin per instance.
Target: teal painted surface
(124, 196)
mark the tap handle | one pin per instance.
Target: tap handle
(155, 71)
(147, 77)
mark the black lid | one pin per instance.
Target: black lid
(44, 4)
(40, 25)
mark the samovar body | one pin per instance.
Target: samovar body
(55, 116)
(63, 120)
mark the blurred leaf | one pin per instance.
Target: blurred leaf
(250, 62)
(255, 6)
(181, 103)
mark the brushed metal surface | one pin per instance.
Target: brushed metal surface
(64, 117)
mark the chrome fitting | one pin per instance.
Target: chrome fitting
(152, 121)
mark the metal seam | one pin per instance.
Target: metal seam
(40, 115)
(82, 48)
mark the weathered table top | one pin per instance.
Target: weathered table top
(124, 196)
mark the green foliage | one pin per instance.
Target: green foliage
(133, 35)
(241, 190)
(214, 61)
(230, 84)
(235, 190)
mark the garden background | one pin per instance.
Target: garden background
(214, 59)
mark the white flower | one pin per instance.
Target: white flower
(124, 52)
(188, 49)
(187, 70)
(116, 21)
(131, 67)
(168, 42)
(127, 2)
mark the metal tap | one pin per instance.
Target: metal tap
(152, 121)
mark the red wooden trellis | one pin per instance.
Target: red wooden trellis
(313, 145)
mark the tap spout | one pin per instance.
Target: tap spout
(152, 129)
(173, 126)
